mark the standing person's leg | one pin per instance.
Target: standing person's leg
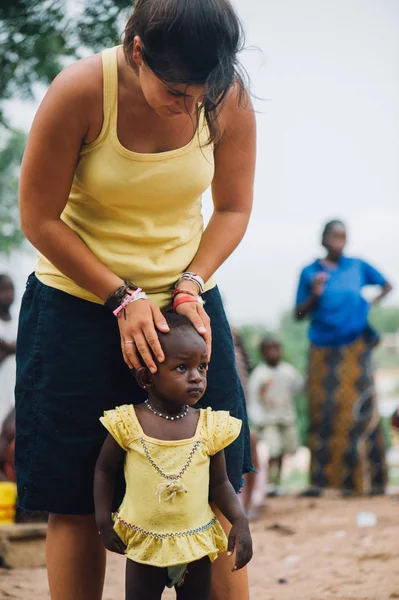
(144, 582)
(226, 584)
(69, 370)
(75, 558)
(250, 478)
(224, 392)
(377, 461)
(197, 582)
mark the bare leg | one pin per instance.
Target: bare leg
(275, 466)
(225, 584)
(249, 478)
(75, 558)
(197, 582)
(144, 582)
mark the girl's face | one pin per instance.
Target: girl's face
(181, 378)
(168, 101)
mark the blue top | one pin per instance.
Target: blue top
(341, 313)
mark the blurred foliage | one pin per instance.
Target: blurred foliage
(10, 161)
(36, 36)
(385, 318)
(101, 23)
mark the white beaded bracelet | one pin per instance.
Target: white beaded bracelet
(140, 296)
(189, 276)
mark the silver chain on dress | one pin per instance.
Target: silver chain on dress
(158, 470)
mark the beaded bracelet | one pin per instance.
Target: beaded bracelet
(119, 296)
(180, 291)
(189, 276)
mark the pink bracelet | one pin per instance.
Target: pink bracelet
(129, 297)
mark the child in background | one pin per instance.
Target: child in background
(173, 461)
(8, 336)
(272, 387)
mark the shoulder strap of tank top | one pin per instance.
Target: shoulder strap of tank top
(110, 87)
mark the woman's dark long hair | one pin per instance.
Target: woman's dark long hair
(194, 42)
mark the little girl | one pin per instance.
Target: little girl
(174, 461)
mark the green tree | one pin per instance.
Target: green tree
(36, 39)
(10, 160)
(38, 35)
(385, 319)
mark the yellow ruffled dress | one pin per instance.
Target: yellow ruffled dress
(165, 518)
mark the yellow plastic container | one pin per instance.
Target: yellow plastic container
(8, 500)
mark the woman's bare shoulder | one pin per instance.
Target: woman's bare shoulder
(236, 111)
(74, 99)
(82, 79)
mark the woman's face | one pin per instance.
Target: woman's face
(335, 240)
(168, 101)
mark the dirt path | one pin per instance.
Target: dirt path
(315, 548)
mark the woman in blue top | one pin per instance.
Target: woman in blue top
(345, 440)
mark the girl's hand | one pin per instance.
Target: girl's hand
(198, 317)
(111, 540)
(241, 541)
(139, 335)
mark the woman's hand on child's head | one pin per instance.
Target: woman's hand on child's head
(139, 334)
(240, 540)
(111, 540)
(199, 318)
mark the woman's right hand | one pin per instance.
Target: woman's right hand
(318, 283)
(139, 334)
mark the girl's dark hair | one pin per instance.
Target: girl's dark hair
(329, 226)
(194, 42)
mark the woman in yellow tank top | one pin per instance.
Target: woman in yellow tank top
(120, 152)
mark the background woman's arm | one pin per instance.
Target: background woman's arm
(303, 309)
(385, 289)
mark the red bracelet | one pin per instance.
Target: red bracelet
(180, 291)
(184, 299)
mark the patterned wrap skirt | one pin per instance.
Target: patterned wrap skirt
(345, 437)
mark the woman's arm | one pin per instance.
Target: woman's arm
(232, 187)
(232, 192)
(58, 132)
(385, 289)
(61, 126)
(107, 465)
(225, 498)
(303, 309)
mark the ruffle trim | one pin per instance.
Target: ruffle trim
(170, 549)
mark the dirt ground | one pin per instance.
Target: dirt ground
(304, 550)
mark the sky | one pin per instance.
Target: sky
(325, 81)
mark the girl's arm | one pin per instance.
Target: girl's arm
(107, 465)
(225, 498)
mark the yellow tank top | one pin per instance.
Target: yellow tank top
(140, 214)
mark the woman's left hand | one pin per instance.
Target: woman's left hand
(196, 313)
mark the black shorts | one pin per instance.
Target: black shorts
(69, 370)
